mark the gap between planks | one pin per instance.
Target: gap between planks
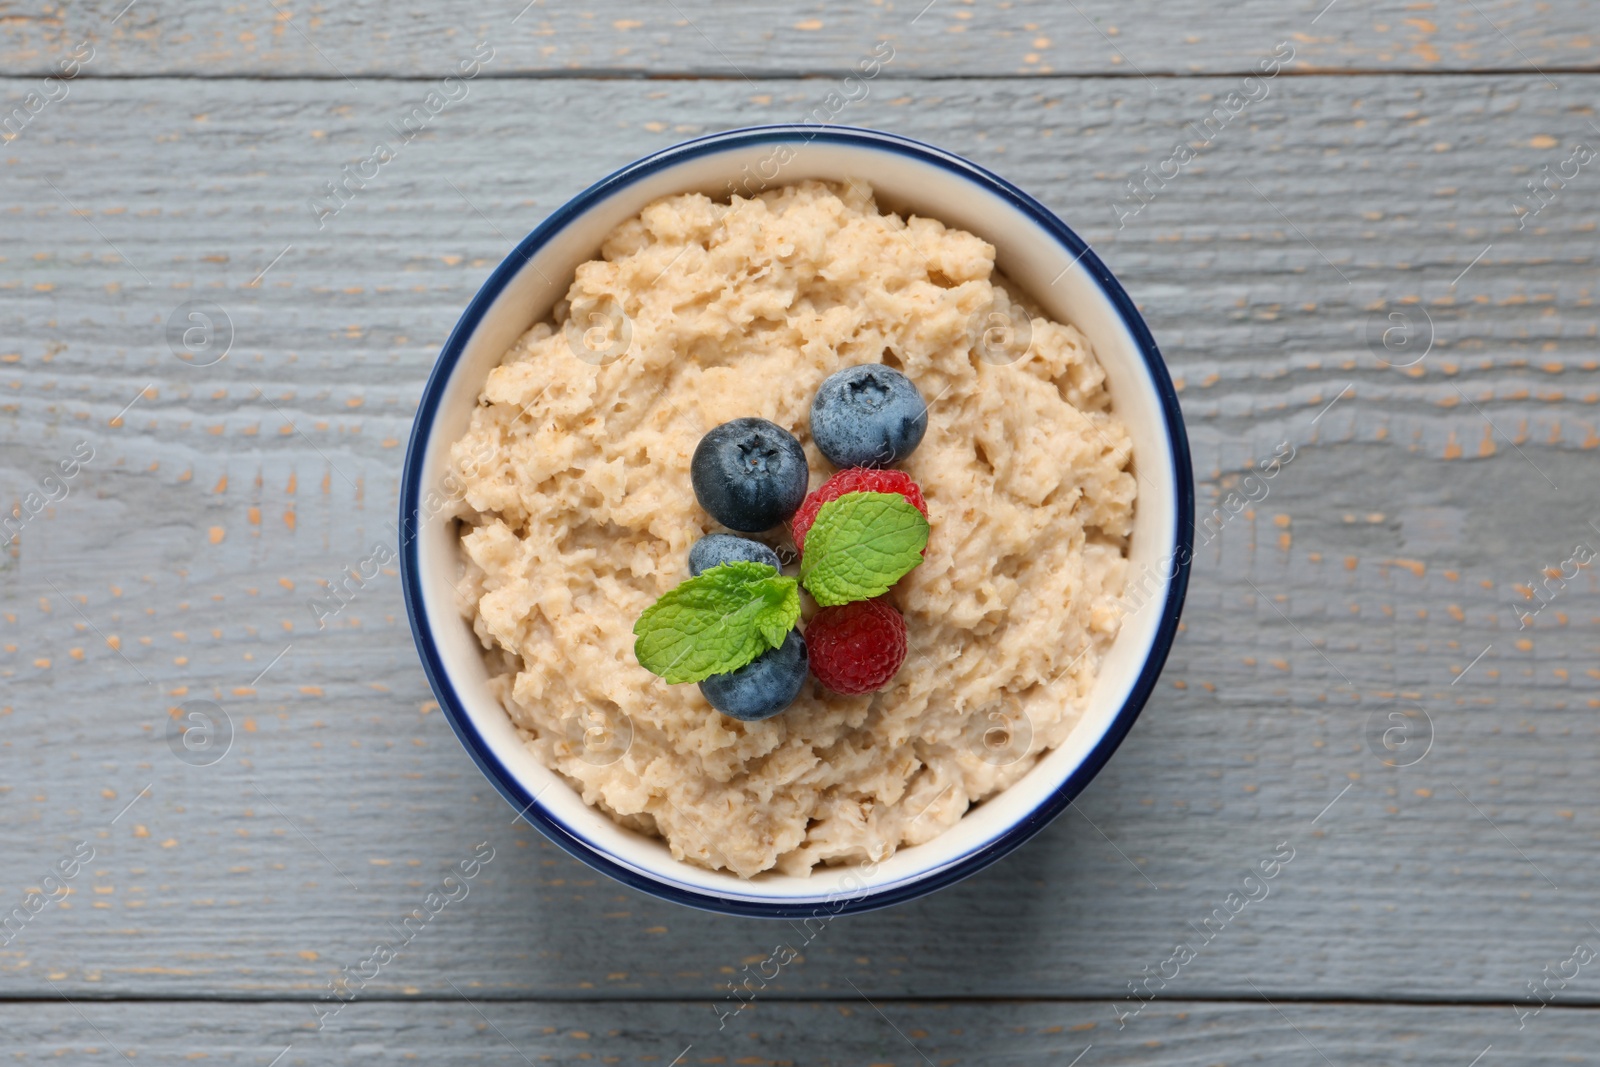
(624, 74)
(483, 996)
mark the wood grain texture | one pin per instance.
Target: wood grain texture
(843, 1032)
(1385, 558)
(941, 38)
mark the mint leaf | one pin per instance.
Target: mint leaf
(860, 545)
(775, 619)
(716, 622)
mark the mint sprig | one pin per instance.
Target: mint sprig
(716, 622)
(860, 545)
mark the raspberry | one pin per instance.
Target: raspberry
(856, 647)
(854, 480)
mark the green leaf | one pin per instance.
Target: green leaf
(716, 622)
(860, 545)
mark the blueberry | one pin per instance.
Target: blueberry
(764, 686)
(868, 415)
(749, 474)
(718, 548)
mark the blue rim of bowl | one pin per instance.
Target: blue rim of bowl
(951, 871)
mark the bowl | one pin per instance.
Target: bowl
(1036, 251)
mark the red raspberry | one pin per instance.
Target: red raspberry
(854, 480)
(856, 647)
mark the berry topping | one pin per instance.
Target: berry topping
(764, 686)
(868, 416)
(713, 550)
(856, 647)
(749, 474)
(854, 480)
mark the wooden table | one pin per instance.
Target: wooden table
(161, 209)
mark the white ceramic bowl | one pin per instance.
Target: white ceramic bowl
(1036, 251)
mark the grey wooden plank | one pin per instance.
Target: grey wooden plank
(751, 40)
(853, 1031)
(217, 502)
